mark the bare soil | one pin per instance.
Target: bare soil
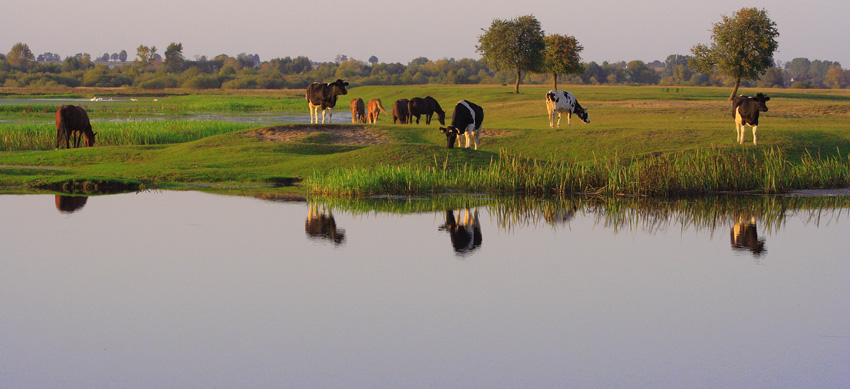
(347, 135)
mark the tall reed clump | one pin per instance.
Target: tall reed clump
(679, 174)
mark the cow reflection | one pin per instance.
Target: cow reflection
(320, 225)
(70, 204)
(745, 237)
(466, 235)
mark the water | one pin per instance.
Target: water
(185, 289)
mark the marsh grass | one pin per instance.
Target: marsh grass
(678, 174)
(43, 136)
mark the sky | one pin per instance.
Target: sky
(399, 31)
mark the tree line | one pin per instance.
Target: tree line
(513, 51)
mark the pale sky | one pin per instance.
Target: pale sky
(399, 31)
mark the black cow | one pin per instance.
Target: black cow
(400, 112)
(72, 122)
(746, 110)
(466, 119)
(323, 96)
(466, 235)
(418, 106)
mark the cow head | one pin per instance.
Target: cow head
(90, 139)
(761, 99)
(451, 135)
(582, 114)
(339, 87)
(551, 96)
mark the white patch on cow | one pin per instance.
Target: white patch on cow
(564, 102)
(740, 127)
(471, 133)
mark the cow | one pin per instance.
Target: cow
(746, 110)
(400, 112)
(466, 235)
(558, 101)
(69, 204)
(323, 96)
(358, 111)
(466, 119)
(374, 109)
(427, 106)
(745, 237)
(320, 225)
(71, 120)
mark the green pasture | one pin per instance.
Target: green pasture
(629, 126)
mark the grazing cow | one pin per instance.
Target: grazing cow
(320, 225)
(427, 106)
(358, 111)
(466, 235)
(71, 120)
(746, 110)
(745, 237)
(558, 101)
(323, 96)
(400, 112)
(70, 204)
(374, 109)
(466, 119)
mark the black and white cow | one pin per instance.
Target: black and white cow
(558, 101)
(323, 96)
(466, 119)
(746, 110)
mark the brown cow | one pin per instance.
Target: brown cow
(70, 204)
(745, 237)
(70, 120)
(400, 112)
(374, 109)
(358, 111)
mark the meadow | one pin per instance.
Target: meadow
(655, 141)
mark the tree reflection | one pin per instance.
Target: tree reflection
(70, 204)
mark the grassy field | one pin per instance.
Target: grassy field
(633, 129)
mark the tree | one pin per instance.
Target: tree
(562, 56)
(174, 58)
(515, 44)
(742, 46)
(122, 56)
(836, 77)
(373, 60)
(144, 55)
(20, 56)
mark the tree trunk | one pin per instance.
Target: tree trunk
(554, 81)
(518, 76)
(735, 92)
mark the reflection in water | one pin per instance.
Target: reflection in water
(745, 237)
(617, 214)
(70, 204)
(320, 224)
(466, 235)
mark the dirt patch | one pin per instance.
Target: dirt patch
(347, 135)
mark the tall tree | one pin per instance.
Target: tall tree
(562, 56)
(174, 58)
(20, 56)
(742, 46)
(515, 44)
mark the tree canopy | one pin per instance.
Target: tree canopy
(742, 46)
(515, 44)
(562, 56)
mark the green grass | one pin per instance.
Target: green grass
(655, 141)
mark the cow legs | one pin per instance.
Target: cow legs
(755, 141)
(314, 114)
(569, 116)
(739, 128)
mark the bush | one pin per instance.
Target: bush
(202, 82)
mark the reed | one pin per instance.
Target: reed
(16, 137)
(674, 175)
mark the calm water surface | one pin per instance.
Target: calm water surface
(185, 289)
